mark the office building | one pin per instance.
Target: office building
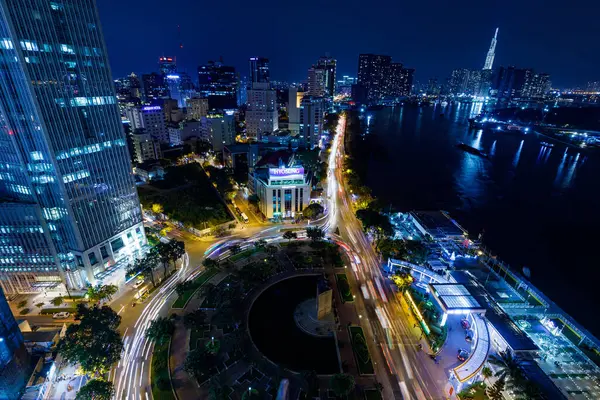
(70, 207)
(167, 65)
(459, 81)
(512, 83)
(312, 114)
(145, 146)
(13, 355)
(281, 184)
(536, 86)
(128, 88)
(151, 119)
(155, 87)
(329, 66)
(261, 114)
(219, 84)
(259, 70)
(489, 59)
(196, 108)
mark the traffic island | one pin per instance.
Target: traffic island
(183, 299)
(344, 288)
(361, 351)
(160, 376)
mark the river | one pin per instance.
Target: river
(537, 206)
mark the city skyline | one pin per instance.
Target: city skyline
(434, 46)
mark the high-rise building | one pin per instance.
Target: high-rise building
(219, 84)
(128, 88)
(197, 108)
(312, 113)
(13, 356)
(145, 146)
(329, 66)
(261, 114)
(259, 70)
(316, 82)
(70, 207)
(399, 80)
(155, 87)
(510, 82)
(536, 86)
(373, 70)
(167, 65)
(459, 81)
(293, 108)
(344, 85)
(489, 59)
(220, 128)
(151, 119)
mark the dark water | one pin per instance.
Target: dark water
(277, 336)
(539, 207)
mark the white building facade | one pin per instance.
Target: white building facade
(261, 115)
(312, 114)
(283, 192)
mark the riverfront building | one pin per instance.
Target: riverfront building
(69, 206)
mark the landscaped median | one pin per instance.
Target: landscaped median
(199, 281)
(361, 350)
(161, 381)
(344, 288)
(46, 311)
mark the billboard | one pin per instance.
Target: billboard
(285, 172)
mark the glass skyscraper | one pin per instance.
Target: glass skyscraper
(68, 202)
(13, 356)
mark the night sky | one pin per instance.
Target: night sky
(434, 37)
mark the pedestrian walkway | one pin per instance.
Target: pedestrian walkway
(184, 385)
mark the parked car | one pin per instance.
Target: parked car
(465, 324)
(138, 283)
(61, 315)
(462, 354)
(469, 336)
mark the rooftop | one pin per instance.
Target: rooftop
(437, 223)
(455, 297)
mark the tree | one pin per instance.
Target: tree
(494, 392)
(486, 372)
(235, 248)
(312, 210)
(289, 235)
(198, 361)
(260, 244)
(177, 250)
(162, 251)
(528, 391)
(157, 208)
(342, 384)
(101, 292)
(315, 234)
(94, 343)
(57, 301)
(160, 330)
(372, 219)
(96, 389)
(194, 319)
(510, 369)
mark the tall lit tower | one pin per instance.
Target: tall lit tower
(489, 60)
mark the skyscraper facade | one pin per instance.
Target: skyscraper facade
(259, 69)
(400, 80)
(329, 66)
(219, 84)
(261, 115)
(489, 59)
(167, 65)
(69, 204)
(316, 82)
(155, 87)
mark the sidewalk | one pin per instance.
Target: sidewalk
(184, 385)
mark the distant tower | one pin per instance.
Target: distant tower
(489, 60)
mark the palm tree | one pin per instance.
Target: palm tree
(177, 251)
(486, 372)
(510, 369)
(289, 235)
(494, 392)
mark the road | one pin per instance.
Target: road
(410, 372)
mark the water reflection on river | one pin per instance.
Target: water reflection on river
(537, 204)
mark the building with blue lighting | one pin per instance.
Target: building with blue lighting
(68, 202)
(13, 356)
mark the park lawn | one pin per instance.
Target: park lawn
(372, 394)
(160, 370)
(344, 288)
(243, 254)
(361, 351)
(199, 281)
